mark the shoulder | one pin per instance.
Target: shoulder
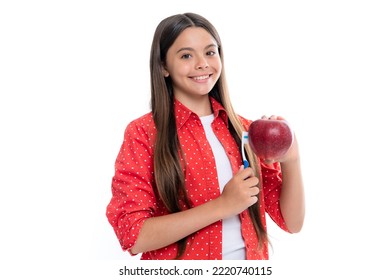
(144, 120)
(141, 126)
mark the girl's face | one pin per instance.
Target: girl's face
(193, 63)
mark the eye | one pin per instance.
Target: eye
(186, 56)
(211, 53)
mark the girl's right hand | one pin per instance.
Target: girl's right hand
(240, 192)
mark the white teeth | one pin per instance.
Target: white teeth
(201, 77)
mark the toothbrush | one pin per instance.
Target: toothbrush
(244, 140)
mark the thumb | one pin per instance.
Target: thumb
(240, 169)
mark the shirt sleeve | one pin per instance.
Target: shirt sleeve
(133, 199)
(272, 186)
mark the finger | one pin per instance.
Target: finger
(252, 182)
(254, 191)
(245, 173)
(240, 169)
(253, 200)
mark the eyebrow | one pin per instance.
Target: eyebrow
(191, 49)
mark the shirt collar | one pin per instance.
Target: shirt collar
(182, 113)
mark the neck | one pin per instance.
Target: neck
(200, 105)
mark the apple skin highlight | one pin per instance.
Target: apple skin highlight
(270, 139)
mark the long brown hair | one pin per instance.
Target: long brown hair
(168, 171)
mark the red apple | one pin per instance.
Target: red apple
(270, 139)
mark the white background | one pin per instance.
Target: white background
(74, 73)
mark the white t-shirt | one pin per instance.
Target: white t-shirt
(233, 246)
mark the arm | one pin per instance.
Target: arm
(292, 199)
(238, 194)
(158, 232)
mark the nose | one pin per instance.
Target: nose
(202, 63)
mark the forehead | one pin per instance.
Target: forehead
(194, 37)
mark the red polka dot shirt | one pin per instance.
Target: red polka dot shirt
(133, 199)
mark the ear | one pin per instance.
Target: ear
(165, 73)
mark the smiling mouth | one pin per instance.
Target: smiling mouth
(200, 78)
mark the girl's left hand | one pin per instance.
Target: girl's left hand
(292, 154)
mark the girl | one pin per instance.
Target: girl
(180, 190)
